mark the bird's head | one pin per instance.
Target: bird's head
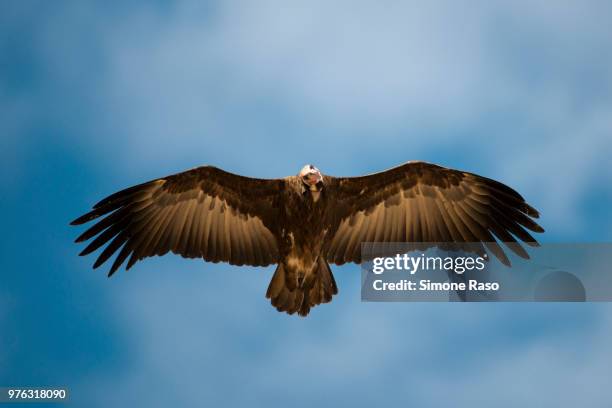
(311, 177)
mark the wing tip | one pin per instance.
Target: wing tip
(98, 263)
(530, 211)
(80, 220)
(86, 251)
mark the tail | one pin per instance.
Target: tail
(288, 294)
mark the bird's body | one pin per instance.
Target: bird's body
(302, 223)
(302, 272)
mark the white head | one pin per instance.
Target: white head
(311, 176)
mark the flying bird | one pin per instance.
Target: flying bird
(303, 223)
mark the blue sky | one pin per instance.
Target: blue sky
(94, 98)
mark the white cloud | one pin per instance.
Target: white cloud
(550, 372)
(519, 89)
(328, 83)
(196, 344)
(350, 64)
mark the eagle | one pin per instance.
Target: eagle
(303, 223)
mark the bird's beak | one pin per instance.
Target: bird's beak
(313, 178)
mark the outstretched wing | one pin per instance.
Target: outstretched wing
(201, 213)
(422, 202)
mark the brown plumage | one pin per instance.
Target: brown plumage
(303, 222)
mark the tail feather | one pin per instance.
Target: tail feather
(289, 295)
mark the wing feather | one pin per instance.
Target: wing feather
(423, 203)
(205, 212)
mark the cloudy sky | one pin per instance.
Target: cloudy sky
(95, 97)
